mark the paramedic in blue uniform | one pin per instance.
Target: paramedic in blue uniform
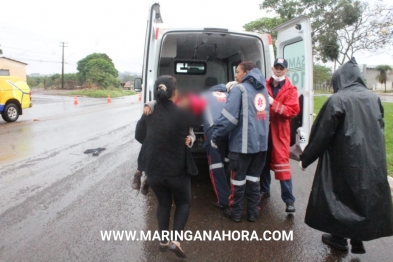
(216, 97)
(245, 118)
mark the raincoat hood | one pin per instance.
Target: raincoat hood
(219, 88)
(255, 78)
(347, 75)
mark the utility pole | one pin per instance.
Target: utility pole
(62, 44)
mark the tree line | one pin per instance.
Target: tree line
(96, 70)
(340, 28)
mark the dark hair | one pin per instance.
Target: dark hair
(247, 65)
(164, 87)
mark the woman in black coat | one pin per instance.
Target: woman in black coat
(163, 135)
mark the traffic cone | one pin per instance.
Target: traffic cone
(140, 97)
(109, 99)
(75, 100)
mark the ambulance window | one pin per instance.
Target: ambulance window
(294, 54)
(190, 68)
(234, 66)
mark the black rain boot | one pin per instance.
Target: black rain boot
(357, 247)
(336, 242)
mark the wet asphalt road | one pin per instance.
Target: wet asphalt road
(55, 200)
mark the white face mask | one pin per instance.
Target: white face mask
(277, 78)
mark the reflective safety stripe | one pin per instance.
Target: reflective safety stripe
(231, 118)
(226, 159)
(238, 183)
(253, 178)
(282, 170)
(282, 109)
(214, 166)
(245, 119)
(277, 107)
(281, 164)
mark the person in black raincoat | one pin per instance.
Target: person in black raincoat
(350, 196)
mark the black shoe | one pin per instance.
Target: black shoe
(265, 194)
(175, 248)
(145, 187)
(136, 181)
(164, 246)
(290, 209)
(218, 205)
(357, 247)
(252, 218)
(339, 243)
(228, 214)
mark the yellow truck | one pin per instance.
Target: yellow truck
(15, 96)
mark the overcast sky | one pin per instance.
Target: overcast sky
(30, 30)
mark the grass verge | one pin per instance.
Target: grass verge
(102, 93)
(323, 92)
(388, 107)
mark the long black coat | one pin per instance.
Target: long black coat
(163, 135)
(350, 195)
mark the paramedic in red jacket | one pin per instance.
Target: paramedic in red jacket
(284, 105)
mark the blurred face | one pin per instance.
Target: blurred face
(240, 73)
(279, 70)
(174, 95)
(184, 102)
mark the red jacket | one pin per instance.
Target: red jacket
(283, 109)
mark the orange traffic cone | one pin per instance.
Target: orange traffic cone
(75, 100)
(140, 97)
(109, 99)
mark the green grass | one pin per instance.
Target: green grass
(318, 103)
(388, 107)
(323, 92)
(102, 93)
(389, 135)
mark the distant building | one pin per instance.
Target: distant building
(370, 75)
(127, 85)
(11, 67)
(35, 75)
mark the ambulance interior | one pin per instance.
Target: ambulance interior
(202, 59)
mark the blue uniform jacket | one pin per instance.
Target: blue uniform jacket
(245, 116)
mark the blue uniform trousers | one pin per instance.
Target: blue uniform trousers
(217, 167)
(245, 170)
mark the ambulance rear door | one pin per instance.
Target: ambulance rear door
(150, 58)
(294, 43)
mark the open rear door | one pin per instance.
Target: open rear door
(149, 71)
(294, 43)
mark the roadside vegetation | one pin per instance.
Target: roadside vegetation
(388, 107)
(95, 71)
(324, 92)
(99, 93)
(339, 28)
(382, 77)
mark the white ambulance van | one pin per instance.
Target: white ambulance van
(207, 56)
